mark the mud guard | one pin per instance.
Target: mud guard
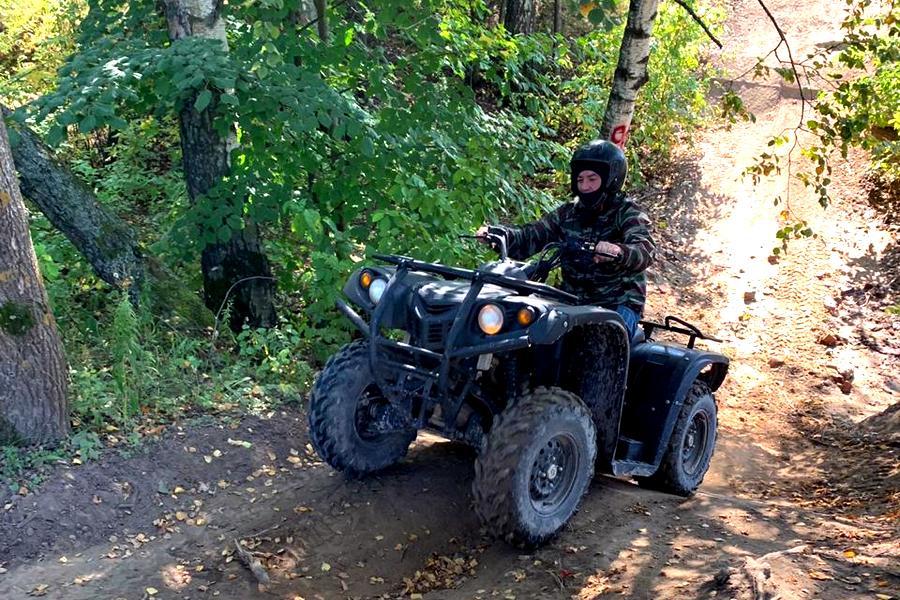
(658, 383)
(596, 348)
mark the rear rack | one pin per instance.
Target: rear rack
(689, 330)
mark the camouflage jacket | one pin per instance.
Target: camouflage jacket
(609, 284)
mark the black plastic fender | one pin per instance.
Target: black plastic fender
(659, 379)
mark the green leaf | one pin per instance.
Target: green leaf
(367, 148)
(598, 17)
(348, 37)
(87, 124)
(203, 100)
(56, 134)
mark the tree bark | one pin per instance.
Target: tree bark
(309, 11)
(237, 269)
(519, 16)
(33, 406)
(631, 72)
(557, 17)
(322, 15)
(107, 243)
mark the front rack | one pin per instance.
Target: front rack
(520, 285)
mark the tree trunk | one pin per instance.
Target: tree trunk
(33, 405)
(520, 16)
(557, 17)
(107, 243)
(322, 15)
(309, 11)
(631, 72)
(238, 268)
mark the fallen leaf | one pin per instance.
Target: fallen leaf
(326, 567)
(151, 591)
(240, 443)
(849, 553)
(39, 590)
(820, 576)
(294, 460)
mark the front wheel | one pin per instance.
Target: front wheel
(690, 448)
(536, 466)
(352, 426)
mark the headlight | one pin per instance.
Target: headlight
(490, 318)
(376, 289)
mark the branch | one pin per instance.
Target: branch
(699, 21)
(784, 41)
(803, 99)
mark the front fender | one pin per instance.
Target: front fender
(561, 319)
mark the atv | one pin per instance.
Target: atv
(546, 390)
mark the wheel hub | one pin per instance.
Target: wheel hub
(375, 416)
(553, 473)
(695, 442)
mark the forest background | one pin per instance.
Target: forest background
(388, 128)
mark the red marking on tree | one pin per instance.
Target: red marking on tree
(619, 135)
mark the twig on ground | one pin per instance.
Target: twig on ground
(252, 563)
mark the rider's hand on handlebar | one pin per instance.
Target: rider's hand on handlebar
(481, 234)
(606, 248)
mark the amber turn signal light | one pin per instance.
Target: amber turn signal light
(365, 280)
(526, 316)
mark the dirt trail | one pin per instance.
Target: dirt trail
(785, 509)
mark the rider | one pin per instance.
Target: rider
(602, 214)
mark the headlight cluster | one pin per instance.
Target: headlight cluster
(373, 284)
(490, 318)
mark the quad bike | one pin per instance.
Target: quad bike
(545, 389)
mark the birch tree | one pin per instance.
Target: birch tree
(33, 405)
(631, 71)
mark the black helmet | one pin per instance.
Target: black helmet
(605, 159)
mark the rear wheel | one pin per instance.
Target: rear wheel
(352, 426)
(536, 466)
(690, 448)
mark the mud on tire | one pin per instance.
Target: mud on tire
(690, 448)
(536, 466)
(343, 402)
